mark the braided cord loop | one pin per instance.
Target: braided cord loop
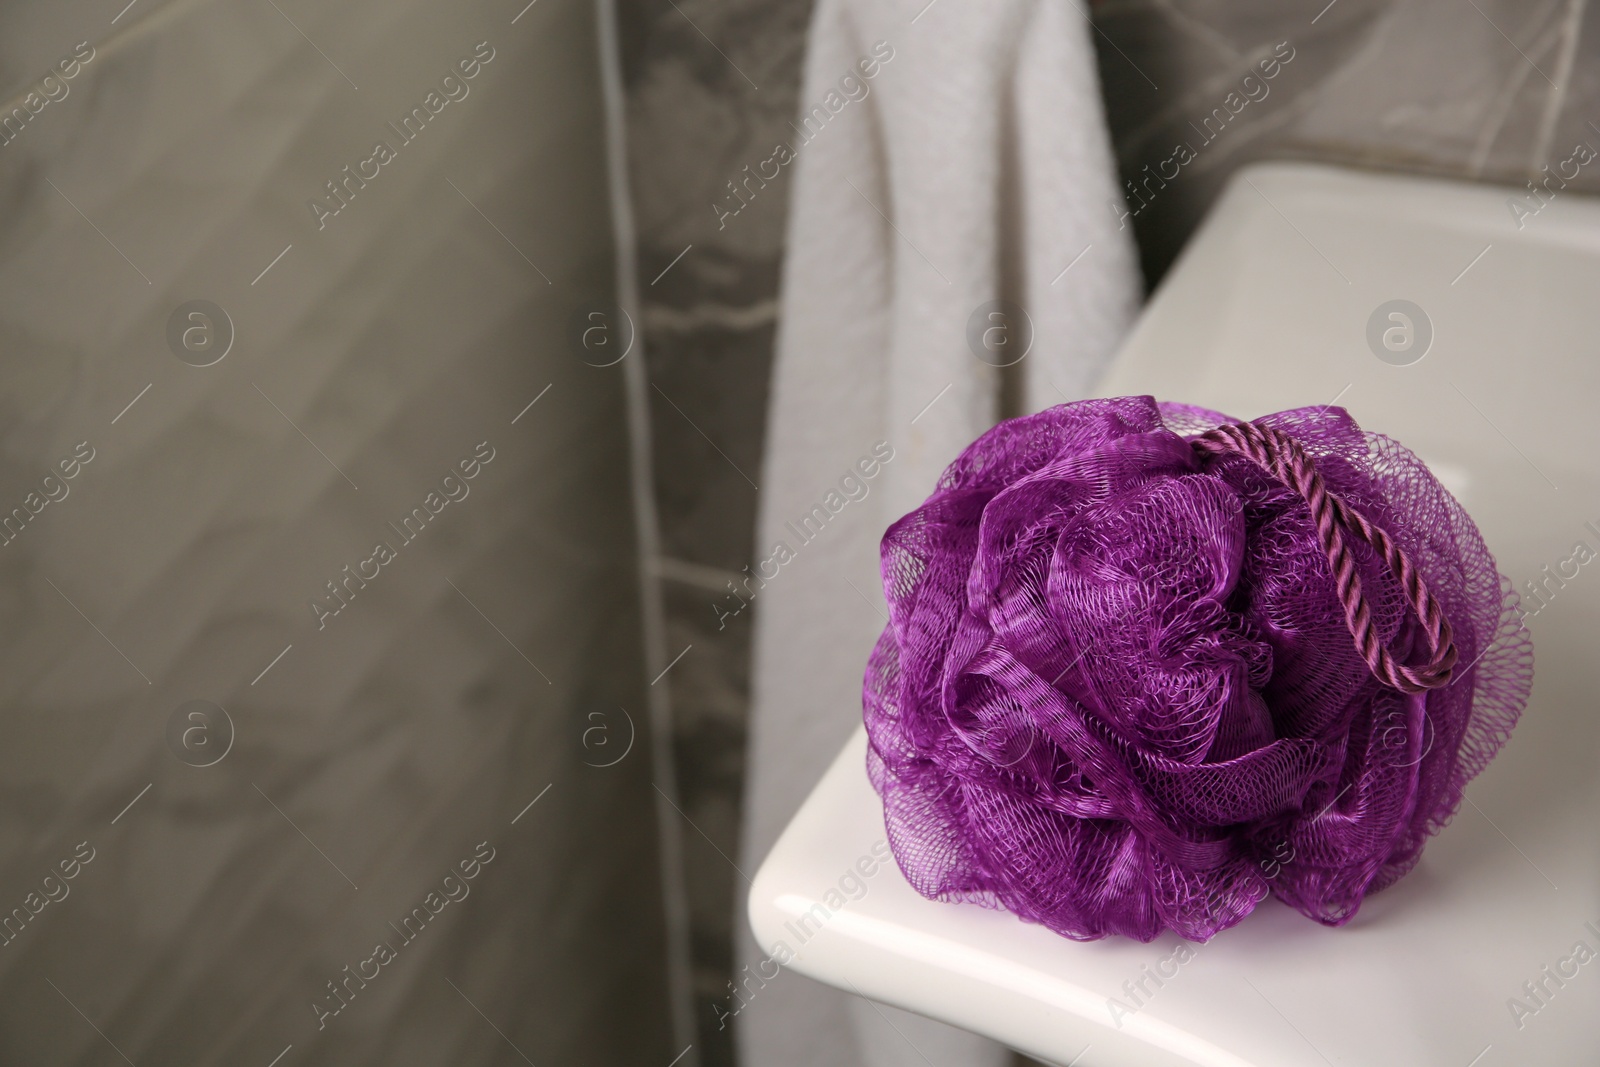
(1282, 457)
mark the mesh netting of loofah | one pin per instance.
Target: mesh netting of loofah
(1131, 678)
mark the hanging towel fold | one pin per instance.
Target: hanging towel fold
(952, 210)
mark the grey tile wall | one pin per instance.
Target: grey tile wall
(366, 756)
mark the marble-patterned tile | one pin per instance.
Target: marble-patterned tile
(710, 700)
(711, 87)
(1484, 92)
(708, 411)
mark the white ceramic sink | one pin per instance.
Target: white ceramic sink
(1268, 309)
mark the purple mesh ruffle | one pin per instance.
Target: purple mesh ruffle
(1118, 693)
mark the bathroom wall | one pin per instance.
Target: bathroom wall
(443, 727)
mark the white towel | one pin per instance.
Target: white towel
(972, 165)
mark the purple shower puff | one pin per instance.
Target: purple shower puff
(1119, 692)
